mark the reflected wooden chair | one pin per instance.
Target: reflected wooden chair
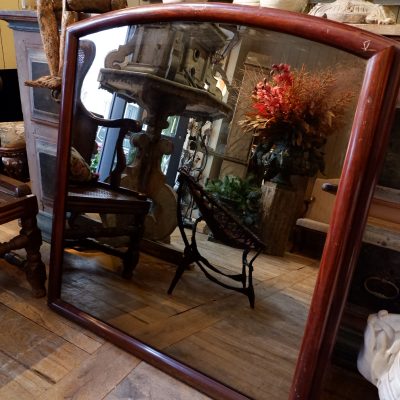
(85, 198)
(227, 229)
(17, 202)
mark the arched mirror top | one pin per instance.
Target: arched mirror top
(342, 36)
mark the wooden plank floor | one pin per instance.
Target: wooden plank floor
(45, 356)
(206, 326)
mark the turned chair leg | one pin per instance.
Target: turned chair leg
(130, 260)
(35, 269)
(131, 257)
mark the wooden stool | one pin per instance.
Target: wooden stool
(17, 202)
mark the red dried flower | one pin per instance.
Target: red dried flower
(298, 102)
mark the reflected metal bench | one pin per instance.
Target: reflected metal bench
(226, 228)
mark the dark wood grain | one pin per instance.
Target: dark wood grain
(147, 353)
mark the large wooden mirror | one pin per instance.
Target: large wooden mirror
(186, 74)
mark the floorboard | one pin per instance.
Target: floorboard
(44, 356)
(202, 324)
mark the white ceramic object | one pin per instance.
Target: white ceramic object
(354, 12)
(288, 5)
(255, 3)
(389, 384)
(183, 1)
(379, 359)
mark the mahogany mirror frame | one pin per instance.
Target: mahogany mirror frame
(364, 158)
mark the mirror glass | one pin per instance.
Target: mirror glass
(200, 90)
(373, 303)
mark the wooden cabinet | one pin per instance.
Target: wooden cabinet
(40, 111)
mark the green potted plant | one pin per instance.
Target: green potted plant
(240, 196)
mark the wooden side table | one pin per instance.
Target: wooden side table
(17, 202)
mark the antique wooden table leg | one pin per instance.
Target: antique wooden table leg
(131, 258)
(29, 238)
(35, 269)
(17, 202)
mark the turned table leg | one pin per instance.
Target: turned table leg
(29, 238)
(35, 269)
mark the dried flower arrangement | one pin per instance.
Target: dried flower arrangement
(297, 108)
(297, 99)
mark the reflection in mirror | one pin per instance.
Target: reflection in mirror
(368, 337)
(183, 97)
(366, 348)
